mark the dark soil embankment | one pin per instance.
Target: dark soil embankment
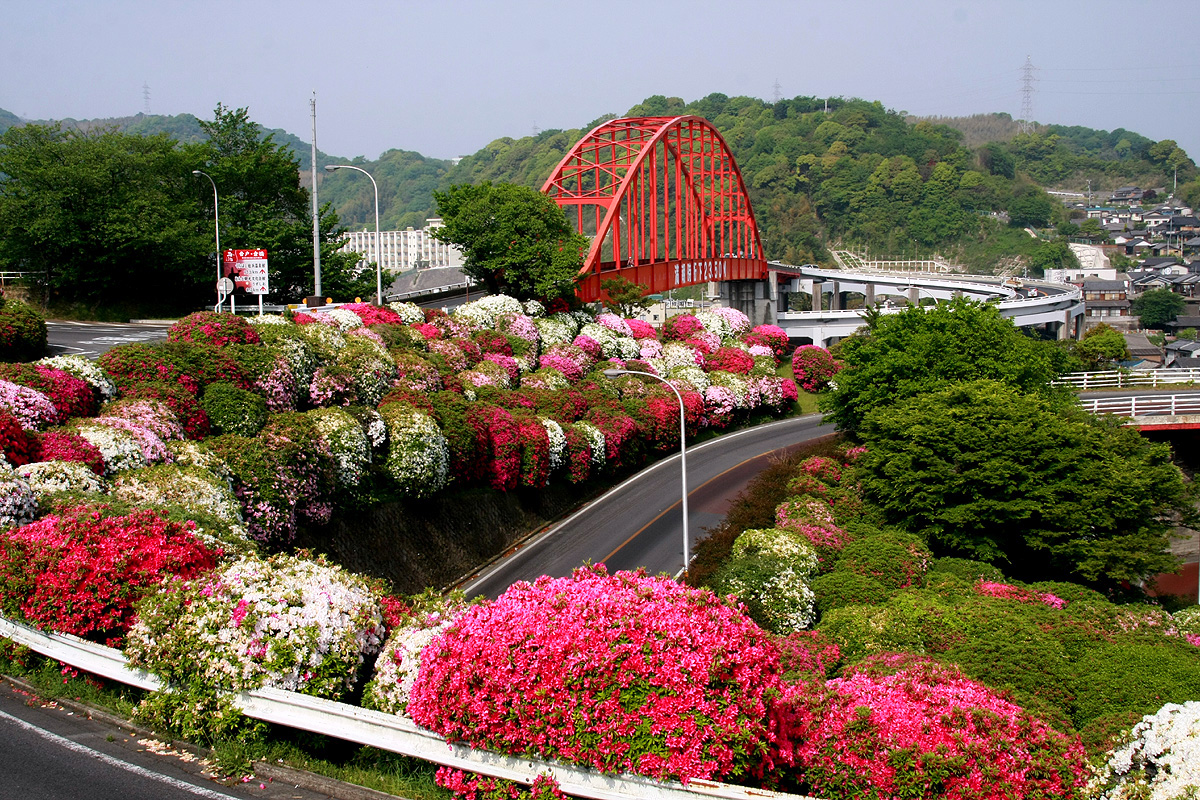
(421, 543)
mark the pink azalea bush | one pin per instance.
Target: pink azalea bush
(637, 674)
(813, 367)
(902, 726)
(1010, 592)
(209, 327)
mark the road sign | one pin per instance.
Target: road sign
(224, 286)
(248, 268)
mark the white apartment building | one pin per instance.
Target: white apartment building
(406, 249)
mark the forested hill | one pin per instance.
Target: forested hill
(855, 174)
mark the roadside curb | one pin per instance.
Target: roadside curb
(279, 773)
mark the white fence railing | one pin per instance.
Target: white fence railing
(1116, 379)
(1145, 405)
(387, 731)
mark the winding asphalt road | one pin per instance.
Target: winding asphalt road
(638, 523)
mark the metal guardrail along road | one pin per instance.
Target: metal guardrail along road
(387, 731)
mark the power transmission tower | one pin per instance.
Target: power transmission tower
(777, 88)
(146, 99)
(1027, 79)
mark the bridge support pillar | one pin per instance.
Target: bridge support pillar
(914, 296)
(869, 295)
(835, 298)
(756, 299)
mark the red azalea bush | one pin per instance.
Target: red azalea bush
(813, 367)
(681, 327)
(903, 726)
(535, 451)
(209, 327)
(63, 446)
(492, 342)
(18, 445)
(138, 362)
(1010, 592)
(730, 359)
(81, 571)
(622, 672)
(71, 396)
(495, 427)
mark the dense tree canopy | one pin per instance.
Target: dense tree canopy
(1032, 484)
(515, 240)
(924, 349)
(1157, 306)
(100, 217)
(107, 217)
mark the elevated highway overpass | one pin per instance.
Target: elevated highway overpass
(1055, 307)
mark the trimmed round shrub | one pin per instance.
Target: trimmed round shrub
(86, 370)
(47, 478)
(18, 501)
(138, 362)
(904, 727)
(60, 445)
(182, 402)
(210, 327)
(290, 623)
(81, 571)
(622, 673)
(71, 396)
(22, 331)
(195, 490)
(897, 560)
(418, 458)
(845, 588)
(966, 569)
(233, 410)
(1134, 677)
(18, 445)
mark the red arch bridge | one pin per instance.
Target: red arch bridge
(665, 206)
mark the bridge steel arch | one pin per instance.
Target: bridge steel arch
(664, 203)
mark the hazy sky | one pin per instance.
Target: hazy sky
(445, 78)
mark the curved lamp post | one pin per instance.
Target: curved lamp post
(378, 251)
(613, 373)
(217, 228)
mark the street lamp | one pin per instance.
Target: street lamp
(613, 373)
(378, 251)
(217, 227)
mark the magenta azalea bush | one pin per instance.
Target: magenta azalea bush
(637, 674)
(813, 367)
(899, 726)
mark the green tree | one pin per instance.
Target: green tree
(1052, 255)
(102, 217)
(1156, 307)
(1030, 207)
(1035, 484)
(924, 349)
(514, 239)
(262, 204)
(1100, 346)
(624, 297)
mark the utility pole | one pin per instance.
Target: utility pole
(316, 209)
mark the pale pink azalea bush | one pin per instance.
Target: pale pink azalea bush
(636, 674)
(903, 726)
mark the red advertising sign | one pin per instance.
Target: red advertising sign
(248, 269)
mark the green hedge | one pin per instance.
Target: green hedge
(22, 331)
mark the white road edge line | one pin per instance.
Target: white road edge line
(115, 762)
(817, 418)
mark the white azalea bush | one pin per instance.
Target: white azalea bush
(18, 502)
(397, 667)
(769, 570)
(1160, 760)
(46, 478)
(595, 439)
(199, 491)
(121, 450)
(418, 457)
(344, 318)
(86, 370)
(558, 443)
(284, 622)
(487, 312)
(346, 440)
(409, 312)
(268, 319)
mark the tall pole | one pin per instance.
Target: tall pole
(612, 373)
(217, 229)
(378, 250)
(316, 209)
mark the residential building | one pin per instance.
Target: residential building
(405, 250)
(1106, 301)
